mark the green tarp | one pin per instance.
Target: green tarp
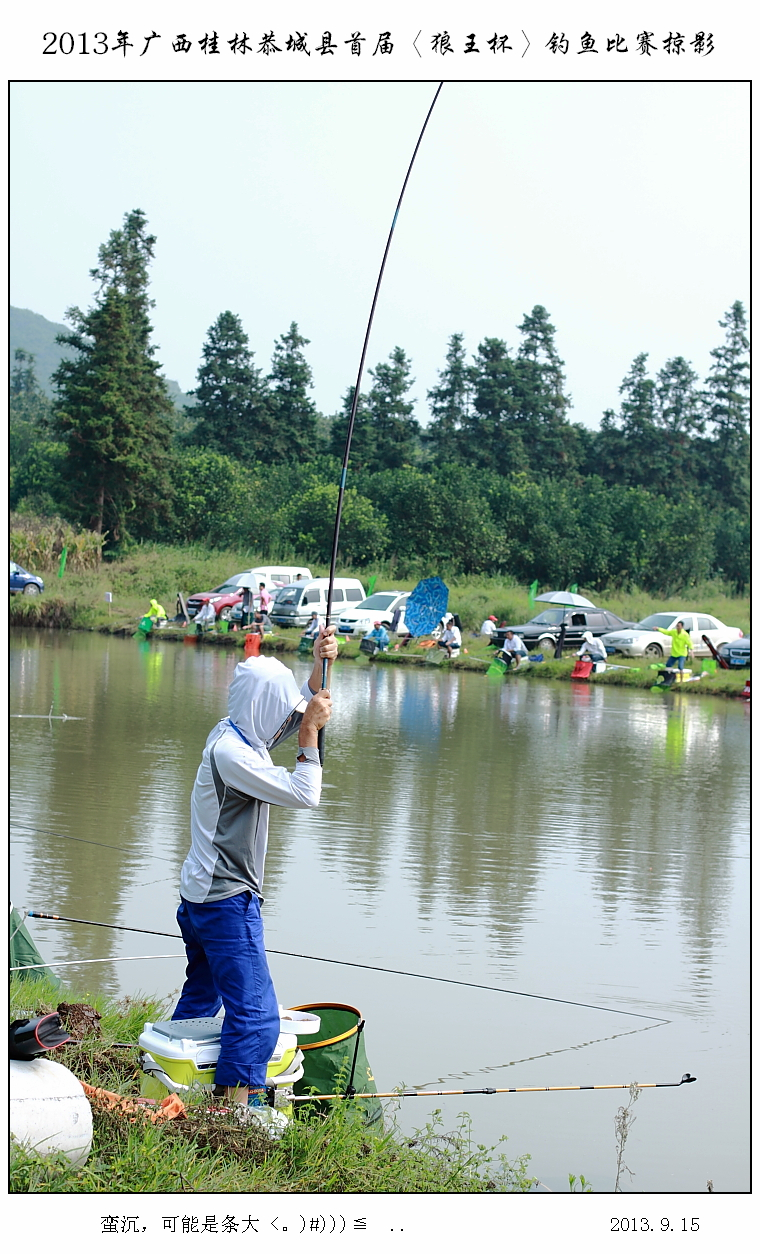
(24, 953)
(329, 1056)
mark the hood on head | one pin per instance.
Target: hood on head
(263, 694)
(588, 635)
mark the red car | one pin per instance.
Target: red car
(224, 598)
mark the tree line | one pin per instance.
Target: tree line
(498, 480)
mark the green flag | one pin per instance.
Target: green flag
(371, 585)
(532, 590)
(62, 564)
(573, 587)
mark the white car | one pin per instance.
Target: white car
(646, 639)
(380, 607)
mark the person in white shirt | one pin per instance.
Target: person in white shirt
(513, 649)
(489, 626)
(206, 616)
(592, 647)
(451, 640)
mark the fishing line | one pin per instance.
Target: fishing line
(37, 831)
(78, 962)
(549, 1053)
(355, 403)
(361, 966)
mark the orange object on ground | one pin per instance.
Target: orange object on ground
(172, 1107)
(252, 644)
(427, 644)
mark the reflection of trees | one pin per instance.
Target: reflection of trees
(462, 790)
(122, 777)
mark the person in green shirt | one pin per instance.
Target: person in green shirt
(680, 649)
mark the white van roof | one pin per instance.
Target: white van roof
(290, 571)
(338, 583)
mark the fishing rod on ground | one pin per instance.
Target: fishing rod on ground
(354, 405)
(532, 1088)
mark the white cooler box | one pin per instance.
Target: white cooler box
(181, 1055)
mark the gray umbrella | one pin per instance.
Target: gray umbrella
(566, 598)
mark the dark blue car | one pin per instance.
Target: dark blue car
(736, 652)
(23, 581)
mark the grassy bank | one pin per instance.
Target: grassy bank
(206, 1153)
(720, 684)
(161, 571)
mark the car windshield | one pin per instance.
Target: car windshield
(290, 595)
(380, 601)
(226, 587)
(655, 621)
(549, 616)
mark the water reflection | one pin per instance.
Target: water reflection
(581, 843)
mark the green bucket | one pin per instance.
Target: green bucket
(222, 626)
(709, 666)
(306, 644)
(145, 624)
(328, 1059)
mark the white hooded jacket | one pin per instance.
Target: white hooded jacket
(237, 781)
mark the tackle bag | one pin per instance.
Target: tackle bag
(336, 1058)
(582, 668)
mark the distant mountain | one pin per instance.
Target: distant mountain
(34, 333)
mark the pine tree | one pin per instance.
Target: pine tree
(726, 406)
(677, 400)
(363, 437)
(230, 394)
(541, 401)
(112, 405)
(287, 429)
(395, 430)
(546, 380)
(28, 409)
(490, 436)
(645, 451)
(449, 404)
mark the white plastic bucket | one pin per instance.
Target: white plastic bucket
(49, 1111)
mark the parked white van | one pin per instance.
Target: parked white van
(294, 604)
(277, 576)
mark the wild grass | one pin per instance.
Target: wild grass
(211, 1152)
(155, 570)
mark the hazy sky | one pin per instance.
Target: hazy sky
(621, 207)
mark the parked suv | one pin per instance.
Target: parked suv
(542, 632)
(380, 607)
(294, 604)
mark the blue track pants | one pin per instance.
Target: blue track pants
(227, 965)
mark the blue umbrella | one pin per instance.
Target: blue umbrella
(426, 606)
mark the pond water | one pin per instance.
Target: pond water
(571, 844)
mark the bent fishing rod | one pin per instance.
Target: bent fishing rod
(532, 1088)
(354, 405)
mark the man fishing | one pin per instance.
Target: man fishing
(222, 876)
